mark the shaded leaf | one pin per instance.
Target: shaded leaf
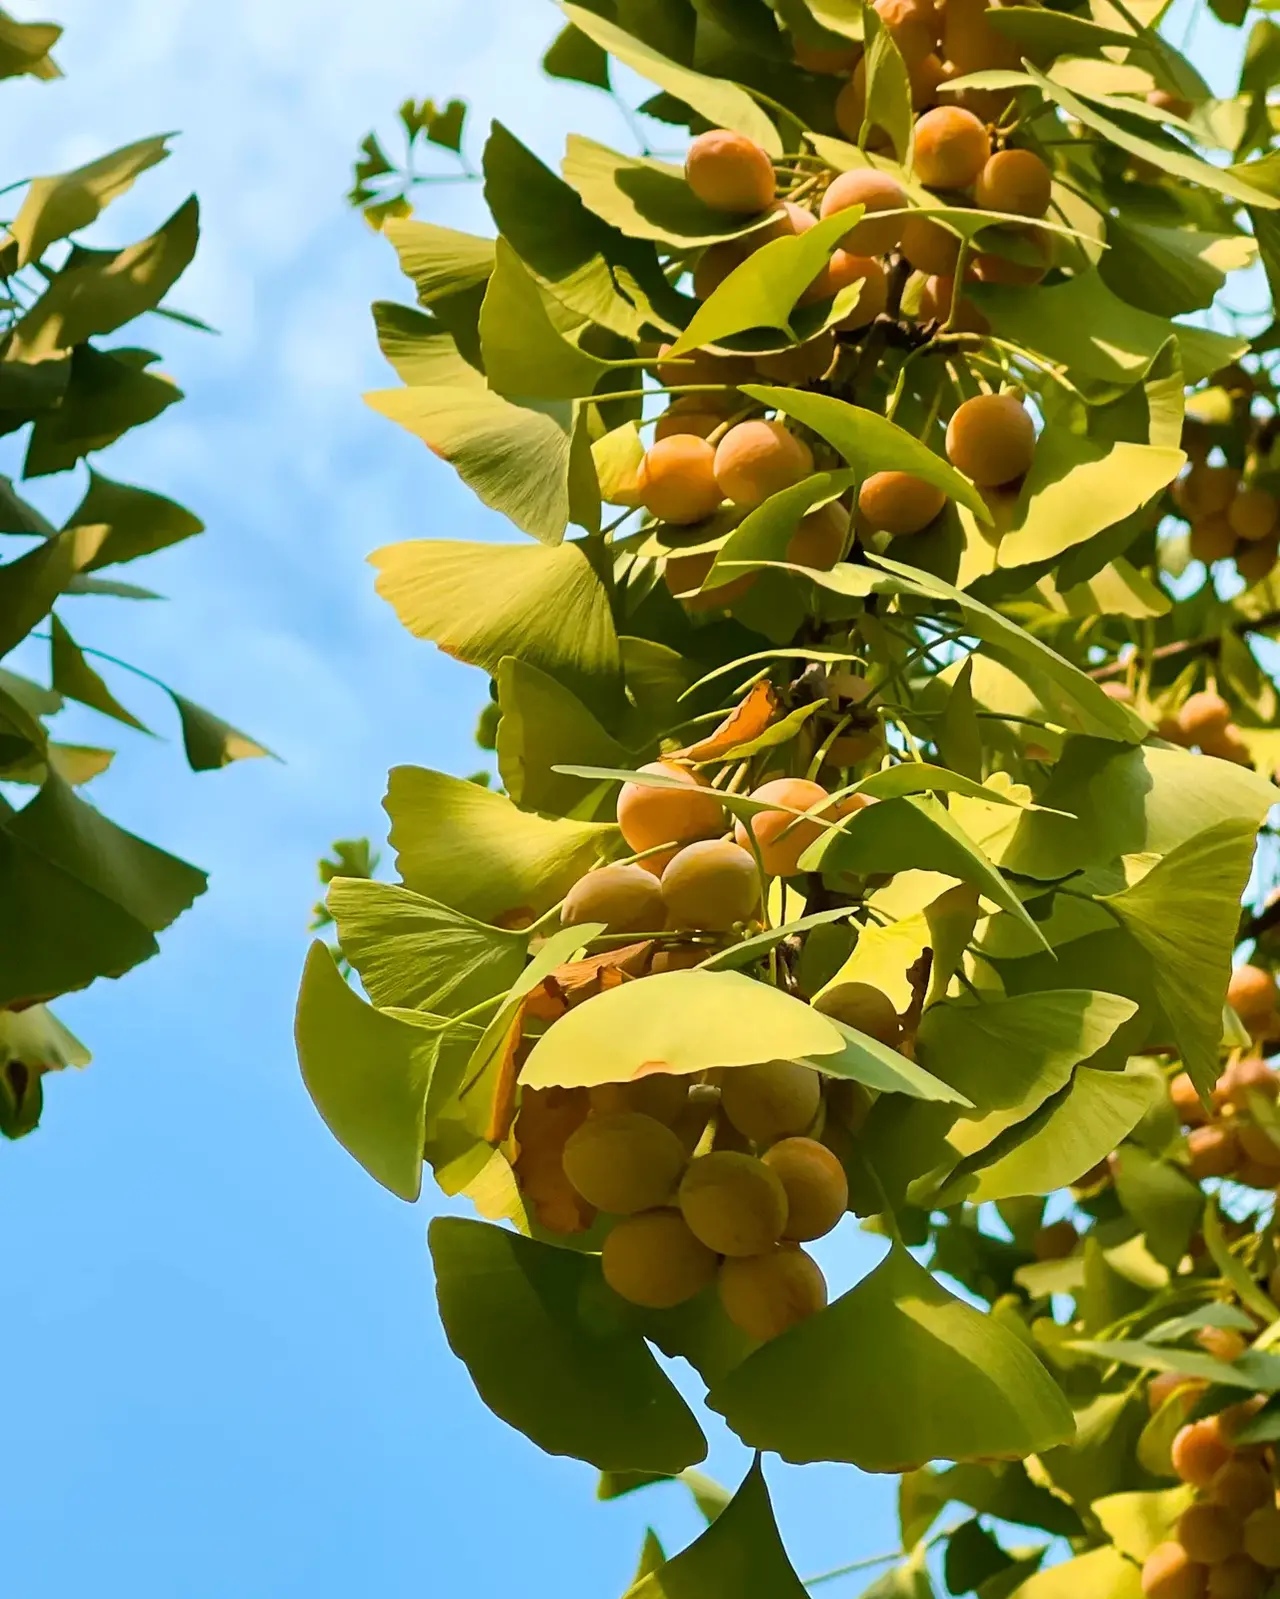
(211, 743)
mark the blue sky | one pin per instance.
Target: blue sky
(226, 1375)
(226, 1372)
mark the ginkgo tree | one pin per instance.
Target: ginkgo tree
(80, 898)
(878, 698)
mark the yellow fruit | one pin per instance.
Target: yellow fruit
(1186, 1101)
(803, 363)
(929, 247)
(971, 44)
(701, 366)
(684, 575)
(1056, 1241)
(781, 838)
(766, 1295)
(1256, 561)
(757, 459)
(655, 1261)
(1168, 1573)
(1212, 538)
(1250, 1075)
(1203, 713)
(935, 301)
(899, 503)
(624, 1163)
(875, 191)
(659, 1094)
(865, 1008)
(814, 58)
(819, 540)
(1262, 1536)
(1200, 1451)
(842, 271)
(1223, 1343)
(1174, 104)
(1237, 1578)
(951, 148)
(715, 264)
(774, 1099)
(1209, 1533)
(1212, 1152)
(1251, 993)
(677, 479)
(697, 414)
(711, 886)
(1165, 1384)
(989, 266)
(1244, 1486)
(1253, 514)
(816, 1187)
(733, 1203)
(1016, 181)
(652, 816)
(730, 172)
(991, 439)
(626, 898)
(1206, 490)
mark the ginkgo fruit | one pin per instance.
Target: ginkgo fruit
(626, 898)
(625, 1162)
(1251, 993)
(780, 836)
(936, 300)
(816, 1187)
(971, 44)
(930, 247)
(1256, 561)
(1206, 490)
(733, 1203)
(648, 816)
(802, 363)
(1237, 1577)
(767, 1294)
(1223, 1343)
(991, 439)
(730, 172)
(655, 1261)
(1165, 1384)
(711, 886)
(1262, 1535)
(842, 271)
(1209, 1532)
(1243, 1486)
(1026, 257)
(1203, 713)
(771, 1100)
(684, 575)
(1212, 538)
(829, 62)
(876, 192)
(1250, 1074)
(1199, 1451)
(1056, 1241)
(951, 148)
(1186, 1101)
(677, 479)
(1253, 514)
(899, 503)
(820, 538)
(864, 1007)
(696, 414)
(756, 459)
(1212, 1151)
(1016, 181)
(1169, 1573)
(662, 1095)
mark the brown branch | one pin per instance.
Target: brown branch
(1209, 645)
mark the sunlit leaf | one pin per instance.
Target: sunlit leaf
(55, 207)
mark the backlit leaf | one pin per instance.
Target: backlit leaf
(55, 207)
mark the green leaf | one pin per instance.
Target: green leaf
(764, 534)
(554, 1354)
(907, 1374)
(73, 676)
(367, 1075)
(470, 849)
(441, 262)
(1102, 1574)
(723, 104)
(525, 354)
(30, 585)
(543, 723)
(740, 1556)
(888, 86)
(442, 125)
(1169, 156)
(1164, 1204)
(867, 1061)
(1097, 336)
(574, 57)
(1170, 271)
(83, 898)
(1117, 590)
(1184, 914)
(870, 442)
(1137, 1522)
(1067, 1136)
(1233, 1269)
(647, 199)
(413, 954)
(483, 602)
(421, 350)
(683, 1022)
(209, 742)
(55, 207)
(911, 831)
(516, 460)
(1255, 1369)
(25, 46)
(109, 393)
(762, 292)
(134, 521)
(1046, 34)
(98, 291)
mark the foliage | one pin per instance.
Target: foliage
(83, 898)
(882, 770)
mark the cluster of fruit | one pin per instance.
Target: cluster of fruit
(1203, 722)
(1226, 1545)
(1230, 519)
(704, 1181)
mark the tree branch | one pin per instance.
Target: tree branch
(1209, 645)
